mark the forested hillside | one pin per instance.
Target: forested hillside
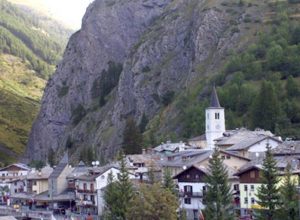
(259, 84)
(30, 47)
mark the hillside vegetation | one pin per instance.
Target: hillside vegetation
(258, 82)
(30, 47)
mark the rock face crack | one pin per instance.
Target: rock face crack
(130, 58)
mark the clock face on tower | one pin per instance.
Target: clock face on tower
(217, 126)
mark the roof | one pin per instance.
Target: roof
(250, 141)
(287, 148)
(171, 147)
(247, 168)
(94, 172)
(186, 158)
(64, 196)
(214, 100)
(44, 173)
(7, 218)
(60, 167)
(198, 138)
(200, 168)
(19, 165)
(149, 160)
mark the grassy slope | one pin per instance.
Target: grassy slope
(25, 33)
(20, 93)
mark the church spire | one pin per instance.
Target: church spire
(214, 100)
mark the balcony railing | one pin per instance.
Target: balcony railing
(86, 190)
(191, 194)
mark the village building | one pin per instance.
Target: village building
(164, 149)
(13, 172)
(144, 165)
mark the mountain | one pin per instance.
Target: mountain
(158, 59)
(30, 47)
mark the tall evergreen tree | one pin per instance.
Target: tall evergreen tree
(110, 197)
(132, 138)
(265, 109)
(168, 182)
(143, 123)
(292, 87)
(218, 196)
(51, 157)
(118, 194)
(268, 193)
(289, 197)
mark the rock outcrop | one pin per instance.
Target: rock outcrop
(128, 59)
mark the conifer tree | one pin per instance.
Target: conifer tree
(143, 123)
(168, 182)
(268, 192)
(118, 193)
(132, 138)
(218, 196)
(110, 198)
(265, 109)
(289, 201)
(124, 189)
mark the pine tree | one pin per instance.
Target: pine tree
(124, 188)
(218, 196)
(118, 193)
(268, 192)
(292, 87)
(288, 191)
(143, 123)
(110, 198)
(168, 182)
(132, 138)
(51, 157)
(265, 108)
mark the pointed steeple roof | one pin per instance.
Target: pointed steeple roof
(214, 100)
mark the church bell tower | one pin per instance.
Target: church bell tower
(214, 120)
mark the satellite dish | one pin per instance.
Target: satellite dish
(184, 167)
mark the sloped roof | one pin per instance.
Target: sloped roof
(287, 148)
(60, 167)
(44, 173)
(248, 142)
(19, 165)
(214, 100)
(94, 172)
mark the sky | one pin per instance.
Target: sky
(70, 12)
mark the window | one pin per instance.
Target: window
(246, 200)
(84, 186)
(92, 198)
(3, 174)
(92, 187)
(236, 187)
(223, 157)
(217, 115)
(34, 183)
(187, 200)
(252, 174)
(188, 176)
(84, 197)
(245, 188)
(188, 189)
(252, 187)
(16, 191)
(195, 213)
(228, 157)
(252, 201)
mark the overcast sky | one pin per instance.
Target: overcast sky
(69, 11)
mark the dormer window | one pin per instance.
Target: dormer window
(217, 115)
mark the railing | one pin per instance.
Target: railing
(86, 190)
(191, 194)
(85, 202)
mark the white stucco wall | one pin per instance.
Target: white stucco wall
(249, 194)
(196, 203)
(214, 127)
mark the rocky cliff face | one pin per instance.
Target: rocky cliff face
(127, 59)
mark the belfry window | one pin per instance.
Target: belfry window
(217, 115)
